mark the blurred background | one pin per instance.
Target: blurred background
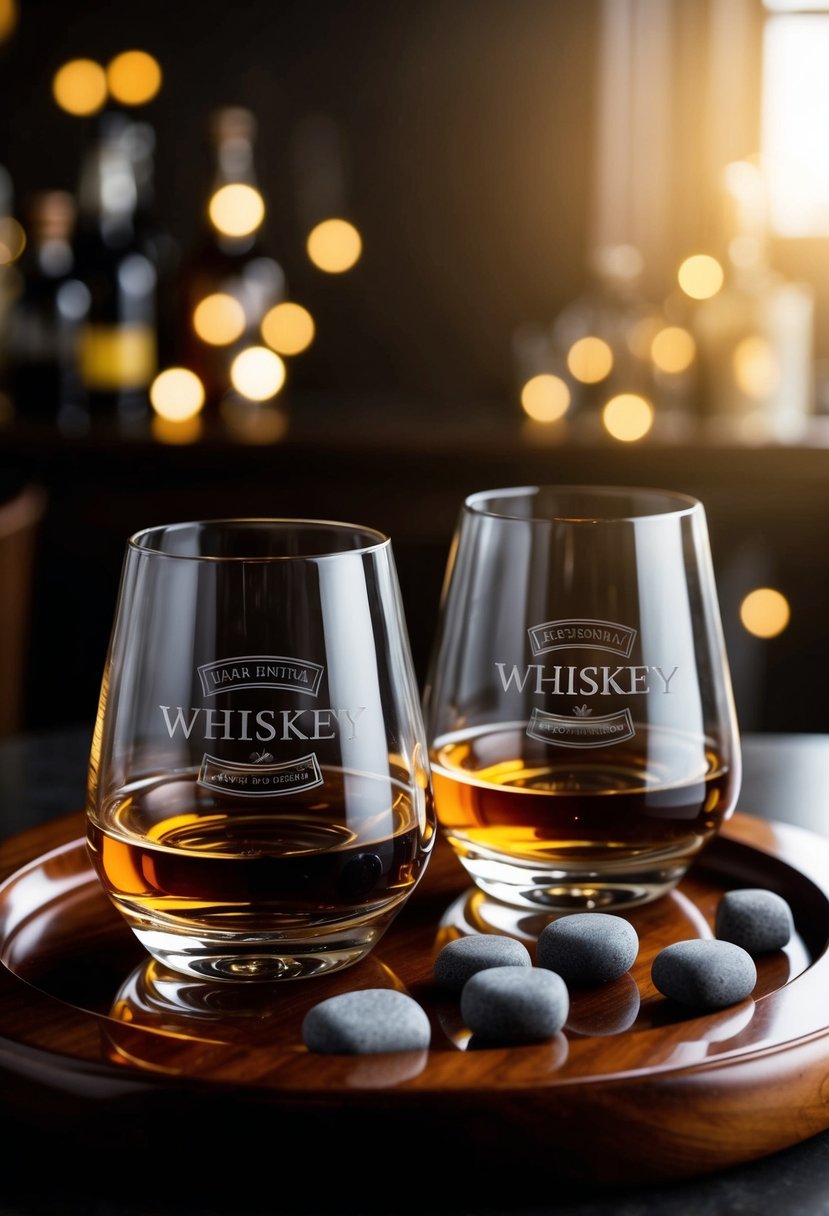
(356, 260)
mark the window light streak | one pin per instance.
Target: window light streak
(80, 87)
(590, 360)
(765, 612)
(545, 398)
(628, 417)
(334, 246)
(795, 117)
(700, 276)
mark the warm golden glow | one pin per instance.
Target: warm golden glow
(236, 210)
(165, 430)
(640, 336)
(219, 319)
(590, 360)
(765, 612)
(673, 350)
(288, 328)
(700, 276)
(80, 87)
(628, 417)
(257, 373)
(134, 78)
(8, 18)
(756, 368)
(177, 394)
(12, 240)
(254, 424)
(334, 246)
(545, 398)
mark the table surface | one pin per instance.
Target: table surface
(786, 778)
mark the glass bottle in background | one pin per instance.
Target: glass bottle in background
(152, 237)
(754, 337)
(117, 350)
(230, 280)
(44, 322)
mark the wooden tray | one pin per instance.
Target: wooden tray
(634, 1089)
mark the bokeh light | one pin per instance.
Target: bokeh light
(254, 424)
(545, 398)
(80, 87)
(640, 336)
(673, 350)
(257, 373)
(12, 240)
(700, 276)
(177, 394)
(334, 246)
(236, 210)
(590, 360)
(756, 367)
(628, 417)
(8, 18)
(765, 612)
(219, 319)
(288, 328)
(134, 78)
(166, 430)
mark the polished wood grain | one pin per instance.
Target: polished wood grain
(634, 1087)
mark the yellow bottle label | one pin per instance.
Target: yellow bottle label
(115, 357)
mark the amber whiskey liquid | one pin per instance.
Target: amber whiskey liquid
(501, 798)
(176, 856)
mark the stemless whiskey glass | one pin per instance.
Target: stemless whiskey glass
(259, 800)
(582, 733)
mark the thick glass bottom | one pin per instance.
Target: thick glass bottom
(568, 886)
(260, 958)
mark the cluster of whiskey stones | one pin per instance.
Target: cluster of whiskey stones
(504, 999)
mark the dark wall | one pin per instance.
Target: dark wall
(466, 130)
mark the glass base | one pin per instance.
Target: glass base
(265, 959)
(568, 887)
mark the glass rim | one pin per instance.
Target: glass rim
(685, 504)
(375, 539)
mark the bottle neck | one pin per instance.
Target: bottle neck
(108, 193)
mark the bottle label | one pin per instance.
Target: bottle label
(113, 357)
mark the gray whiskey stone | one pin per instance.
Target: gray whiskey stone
(704, 974)
(366, 1021)
(760, 921)
(587, 948)
(462, 958)
(515, 1004)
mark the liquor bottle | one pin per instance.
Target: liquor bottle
(230, 280)
(44, 321)
(117, 354)
(152, 237)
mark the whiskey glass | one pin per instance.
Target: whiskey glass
(259, 801)
(583, 740)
